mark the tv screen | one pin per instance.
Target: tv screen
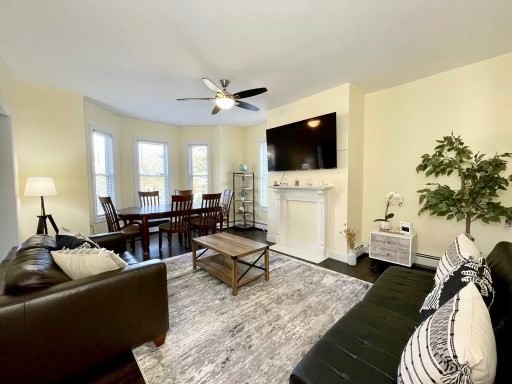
(303, 145)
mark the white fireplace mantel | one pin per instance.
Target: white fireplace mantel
(317, 195)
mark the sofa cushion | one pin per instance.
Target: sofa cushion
(401, 290)
(84, 262)
(72, 242)
(365, 345)
(475, 271)
(454, 345)
(39, 241)
(32, 268)
(462, 249)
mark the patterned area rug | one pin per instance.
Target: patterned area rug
(258, 336)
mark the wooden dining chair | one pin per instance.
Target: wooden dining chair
(183, 192)
(207, 219)
(131, 230)
(149, 199)
(225, 205)
(179, 221)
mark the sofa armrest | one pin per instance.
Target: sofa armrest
(114, 241)
(82, 322)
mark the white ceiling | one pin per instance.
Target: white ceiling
(138, 56)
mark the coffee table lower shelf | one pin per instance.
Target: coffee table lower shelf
(222, 268)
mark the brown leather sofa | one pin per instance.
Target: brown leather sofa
(57, 332)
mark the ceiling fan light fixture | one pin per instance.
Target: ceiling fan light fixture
(224, 102)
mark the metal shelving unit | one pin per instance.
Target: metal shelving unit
(243, 200)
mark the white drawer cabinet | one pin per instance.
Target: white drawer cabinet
(393, 247)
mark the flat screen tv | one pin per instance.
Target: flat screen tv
(303, 145)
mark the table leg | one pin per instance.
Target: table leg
(234, 281)
(194, 249)
(267, 271)
(145, 238)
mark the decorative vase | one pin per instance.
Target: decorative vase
(244, 167)
(384, 225)
(351, 257)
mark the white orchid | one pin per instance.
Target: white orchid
(392, 199)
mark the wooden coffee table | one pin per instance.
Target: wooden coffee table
(226, 263)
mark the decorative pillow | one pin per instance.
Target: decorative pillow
(31, 269)
(475, 271)
(78, 263)
(454, 345)
(461, 250)
(67, 238)
(72, 242)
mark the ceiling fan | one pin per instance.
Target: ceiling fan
(225, 100)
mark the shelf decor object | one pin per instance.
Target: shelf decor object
(243, 197)
(42, 186)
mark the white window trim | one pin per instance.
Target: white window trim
(92, 173)
(189, 161)
(136, 177)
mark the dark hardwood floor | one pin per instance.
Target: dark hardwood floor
(124, 369)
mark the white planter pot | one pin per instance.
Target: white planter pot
(351, 257)
(384, 225)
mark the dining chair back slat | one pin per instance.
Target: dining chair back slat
(183, 192)
(207, 219)
(181, 207)
(110, 213)
(209, 209)
(131, 230)
(225, 204)
(149, 198)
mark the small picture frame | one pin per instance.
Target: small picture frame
(405, 228)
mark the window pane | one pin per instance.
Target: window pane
(199, 155)
(153, 169)
(103, 168)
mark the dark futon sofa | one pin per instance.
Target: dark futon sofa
(366, 344)
(57, 331)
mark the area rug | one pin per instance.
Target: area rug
(256, 337)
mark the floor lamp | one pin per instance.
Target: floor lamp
(42, 186)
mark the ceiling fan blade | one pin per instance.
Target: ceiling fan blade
(215, 110)
(249, 93)
(244, 105)
(194, 98)
(210, 84)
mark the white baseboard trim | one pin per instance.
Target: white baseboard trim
(341, 256)
(426, 260)
(299, 253)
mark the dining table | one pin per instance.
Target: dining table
(144, 214)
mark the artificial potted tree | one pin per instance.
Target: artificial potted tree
(480, 180)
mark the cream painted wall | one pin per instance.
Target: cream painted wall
(332, 100)
(132, 130)
(105, 121)
(355, 160)
(403, 122)
(6, 89)
(49, 140)
(252, 138)
(8, 185)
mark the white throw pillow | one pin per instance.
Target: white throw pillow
(462, 250)
(454, 345)
(83, 262)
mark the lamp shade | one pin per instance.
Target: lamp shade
(40, 186)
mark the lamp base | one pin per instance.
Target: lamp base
(42, 228)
